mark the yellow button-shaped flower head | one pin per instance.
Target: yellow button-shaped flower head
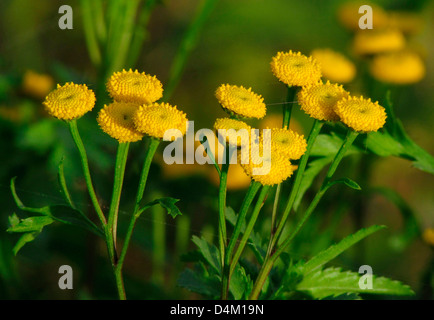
(135, 87)
(373, 41)
(270, 169)
(116, 119)
(158, 118)
(403, 67)
(288, 143)
(70, 101)
(235, 132)
(361, 114)
(319, 100)
(239, 101)
(334, 65)
(295, 69)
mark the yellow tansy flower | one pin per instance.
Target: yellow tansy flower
(69, 101)
(295, 69)
(241, 101)
(319, 100)
(287, 142)
(272, 169)
(37, 85)
(428, 236)
(334, 65)
(407, 22)
(135, 87)
(373, 41)
(116, 119)
(230, 130)
(398, 67)
(157, 118)
(349, 16)
(361, 114)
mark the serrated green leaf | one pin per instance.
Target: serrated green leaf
(347, 181)
(209, 252)
(333, 282)
(167, 203)
(383, 144)
(196, 281)
(31, 224)
(333, 251)
(241, 284)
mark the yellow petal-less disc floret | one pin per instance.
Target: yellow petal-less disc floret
(319, 100)
(157, 118)
(373, 41)
(116, 119)
(334, 65)
(240, 101)
(403, 67)
(70, 101)
(271, 169)
(232, 131)
(288, 143)
(135, 87)
(295, 69)
(361, 114)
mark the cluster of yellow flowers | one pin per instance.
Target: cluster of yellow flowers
(391, 58)
(133, 113)
(286, 144)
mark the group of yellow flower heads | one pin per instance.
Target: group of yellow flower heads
(133, 113)
(391, 56)
(322, 101)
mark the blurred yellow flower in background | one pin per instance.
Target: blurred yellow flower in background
(239, 101)
(135, 87)
(319, 100)
(36, 85)
(157, 118)
(428, 236)
(349, 16)
(367, 42)
(69, 101)
(116, 119)
(334, 65)
(403, 67)
(295, 69)
(408, 22)
(361, 114)
(237, 179)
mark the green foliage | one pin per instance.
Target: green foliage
(167, 203)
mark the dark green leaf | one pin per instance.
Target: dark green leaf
(332, 282)
(333, 251)
(210, 253)
(167, 203)
(241, 284)
(347, 181)
(198, 282)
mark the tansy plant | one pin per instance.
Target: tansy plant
(133, 115)
(350, 124)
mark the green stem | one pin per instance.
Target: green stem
(287, 106)
(136, 214)
(265, 270)
(121, 161)
(316, 128)
(249, 228)
(250, 195)
(187, 45)
(85, 165)
(222, 205)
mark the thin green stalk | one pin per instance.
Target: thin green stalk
(274, 214)
(250, 195)
(187, 45)
(140, 190)
(249, 228)
(98, 14)
(287, 106)
(266, 268)
(316, 127)
(158, 243)
(222, 205)
(85, 165)
(121, 161)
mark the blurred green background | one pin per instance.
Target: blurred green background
(235, 46)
